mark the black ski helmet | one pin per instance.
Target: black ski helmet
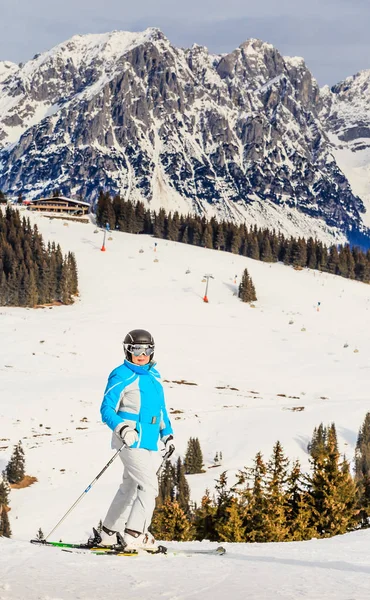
(137, 336)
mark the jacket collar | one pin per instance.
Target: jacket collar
(141, 369)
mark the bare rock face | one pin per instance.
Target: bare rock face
(130, 113)
(345, 113)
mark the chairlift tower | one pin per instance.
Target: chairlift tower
(207, 277)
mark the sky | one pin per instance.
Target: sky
(331, 35)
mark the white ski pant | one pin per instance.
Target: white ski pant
(134, 502)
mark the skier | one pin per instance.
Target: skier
(134, 408)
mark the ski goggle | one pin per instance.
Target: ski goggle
(139, 349)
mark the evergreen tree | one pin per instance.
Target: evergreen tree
(182, 495)
(223, 497)
(29, 273)
(333, 260)
(298, 511)
(5, 530)
(159, 224)
(266, 252)
(317, 445)
(220, 238)
(251, 488)
(247, 292)
(231, 528)
(193, 462)
(204, 521)
(170, 522)
(207, 237)
(332, 492)
(15, 469)
(362, 470)
(167, 482)
(276, 527)
(4, 491)
(104, 211)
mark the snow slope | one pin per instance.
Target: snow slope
(331, 569)
(282, 354)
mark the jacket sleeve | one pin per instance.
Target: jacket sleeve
(110, 402)
(165, 427)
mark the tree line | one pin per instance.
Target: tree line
(273, 501)
(30, 272)
(253, 242)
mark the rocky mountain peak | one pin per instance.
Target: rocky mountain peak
(237, 135)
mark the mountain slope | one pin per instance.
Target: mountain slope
(229, 135)
(334, 569)
(346, 113)
(252, 367)
(280, 355)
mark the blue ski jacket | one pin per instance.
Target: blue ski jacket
(134, 396)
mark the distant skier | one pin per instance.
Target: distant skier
(134, 408)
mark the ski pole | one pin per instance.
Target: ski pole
(166, 455)
(85, 491)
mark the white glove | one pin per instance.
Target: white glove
(128, 435)
(168, 445)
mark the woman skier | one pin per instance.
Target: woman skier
(134, 408)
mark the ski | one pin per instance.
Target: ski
(89, 548)
(118, 550)
(219, 551)
(100, 551)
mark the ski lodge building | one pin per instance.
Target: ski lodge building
(60, 204)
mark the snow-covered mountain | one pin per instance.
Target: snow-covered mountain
(260, 374)
(346, 112)
(236, 135)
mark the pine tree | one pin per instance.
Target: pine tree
(276, 528)
(247, 292)
(266, 252)
(207, 237)
(5, 530)
(15, 469)
(231, 528)
(4, 491)
(182, 495)
(333, 260)
(298, 512)
(220, 238)
(362, 470)
(251, 488)
(193, 462)
(170, 522)
(167, 482)
(332, 491)
(204, 521)
(317, 445)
